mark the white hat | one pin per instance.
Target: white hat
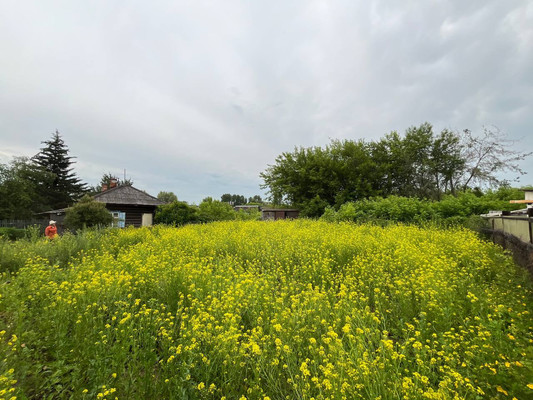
(52, 222)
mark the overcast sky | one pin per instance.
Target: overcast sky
(198, 97)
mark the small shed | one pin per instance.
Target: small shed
(269, 214)
(56, 215)
(128, 205)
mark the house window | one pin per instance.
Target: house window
(119, 219)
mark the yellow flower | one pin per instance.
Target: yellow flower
(501, 390)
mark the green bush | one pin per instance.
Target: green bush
(393, 208)
(176, 213)
(87, 213)
(463, 209)
(214, 210)
(248, 215)
(12, 233)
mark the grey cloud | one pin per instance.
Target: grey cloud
(198, 97)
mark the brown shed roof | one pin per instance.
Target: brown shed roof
(126, 194)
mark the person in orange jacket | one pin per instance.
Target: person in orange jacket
(51, 230)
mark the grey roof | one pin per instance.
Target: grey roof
(126, 194)
(58, 211)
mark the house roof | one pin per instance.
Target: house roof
(58, 211)
(126, 194)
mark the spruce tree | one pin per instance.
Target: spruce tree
(66, 187)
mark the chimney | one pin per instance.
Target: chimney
(104, 187)
(112, 183)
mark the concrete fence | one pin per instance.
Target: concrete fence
(519, 226)
(514, 233)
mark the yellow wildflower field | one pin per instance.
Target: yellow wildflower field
(270, 310)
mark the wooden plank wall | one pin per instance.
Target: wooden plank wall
(133, 213)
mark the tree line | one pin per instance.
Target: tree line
(46, 181)
(420, 163)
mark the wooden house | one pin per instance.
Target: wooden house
(130, 206)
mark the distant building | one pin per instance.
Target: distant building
(128, 205)
(268, 214)
(55, 215)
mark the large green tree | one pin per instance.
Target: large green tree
(108, 178)
(419, 163)
(20, 194)
(233, 199)
(66, 187)
(167, 197)
(312, 178)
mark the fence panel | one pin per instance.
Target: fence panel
(22, 223)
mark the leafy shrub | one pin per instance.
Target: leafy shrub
(176, 213)
(214, 210)
(87, 213)
(12, 233)
(393, 208)
(314, 208)
(248, 215)
(464, 208)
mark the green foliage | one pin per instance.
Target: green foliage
(233, 199)
(12, 233)
(314, 208)
(66, 187)
(263, 310)
(255, 200)
(393, 208)
(468, 203)
(176, 213)
(209, 210)
(341, 172)
(464, 208)
(61, 251)
(87, 213)
(505, 193)
(248, 215)
(213, 210)
(20, 189)
(420, 164)
(167, 197)
(108, 180)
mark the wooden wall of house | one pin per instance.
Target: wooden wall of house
(133, 213)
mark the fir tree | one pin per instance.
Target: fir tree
(66, 187)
